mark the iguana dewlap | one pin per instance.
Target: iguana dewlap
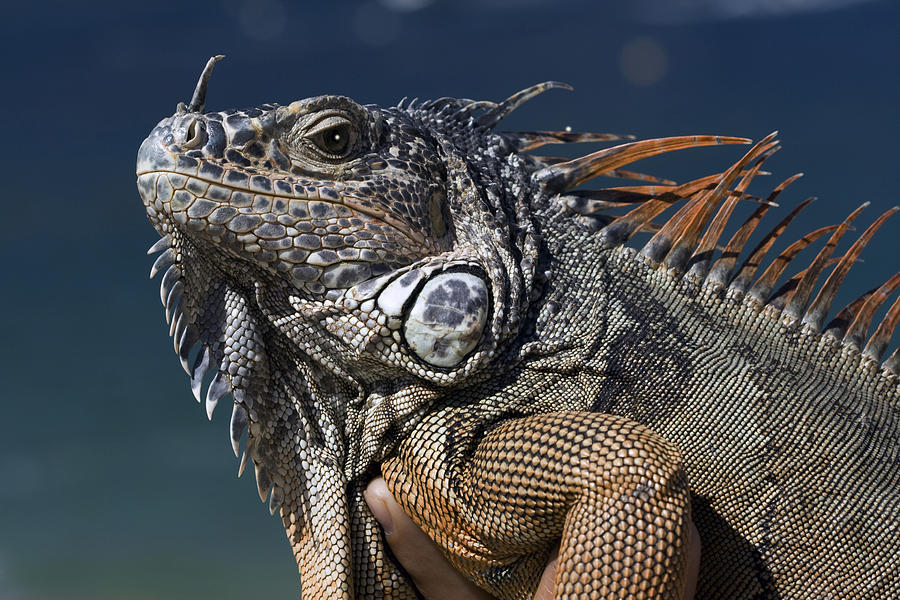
(407, 291)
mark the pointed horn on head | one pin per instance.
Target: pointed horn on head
(198, 100)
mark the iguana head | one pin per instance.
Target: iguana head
(333, 204)
(323, 193)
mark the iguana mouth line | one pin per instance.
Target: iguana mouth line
(414, 238)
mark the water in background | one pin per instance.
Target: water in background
(112, 483)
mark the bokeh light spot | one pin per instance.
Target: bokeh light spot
(261, 20)
(405, 5)
(643, 61)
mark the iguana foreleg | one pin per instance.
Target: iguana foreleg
(496, 505)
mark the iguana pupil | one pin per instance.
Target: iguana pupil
(335, 142)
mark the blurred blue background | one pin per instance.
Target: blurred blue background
(112, 483)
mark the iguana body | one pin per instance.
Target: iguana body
(404, 290)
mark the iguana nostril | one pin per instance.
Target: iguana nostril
(194, 134)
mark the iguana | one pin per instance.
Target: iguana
(408, 292)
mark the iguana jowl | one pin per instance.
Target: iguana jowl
(406, 290)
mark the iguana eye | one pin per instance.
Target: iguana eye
(336, 139)
(334, 136)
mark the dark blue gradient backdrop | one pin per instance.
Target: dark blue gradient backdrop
(113, 485)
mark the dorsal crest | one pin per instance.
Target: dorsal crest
(688, 241)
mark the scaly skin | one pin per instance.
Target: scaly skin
(404, 291)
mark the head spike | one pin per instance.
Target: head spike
(786, 292)
(623, 174)
(245, 456)
(198, 100)
(858, 329)
(879, 341)
(522, 141)
(545, 161)
(170, 278)
(162, 261)
(783, 294)
(198, 371)
(189, 337)
(263, 481)
(745, 274)
(723, 268)
(500, 111)
(179, 322)
(837, 327)
(703, 254)
(594, 202)
(539, 162)
(218, 387)
(655, 199)
(568, 175)
(467, 108)
(815, 316)
(856, 332)
(620, 230)
(686, 240)
(798, 302)
(239, 421)
(685, 190)
(659, 245)
(686, 233)
(160, 244)
(893, 362)
(172, 299)
(766, 282)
